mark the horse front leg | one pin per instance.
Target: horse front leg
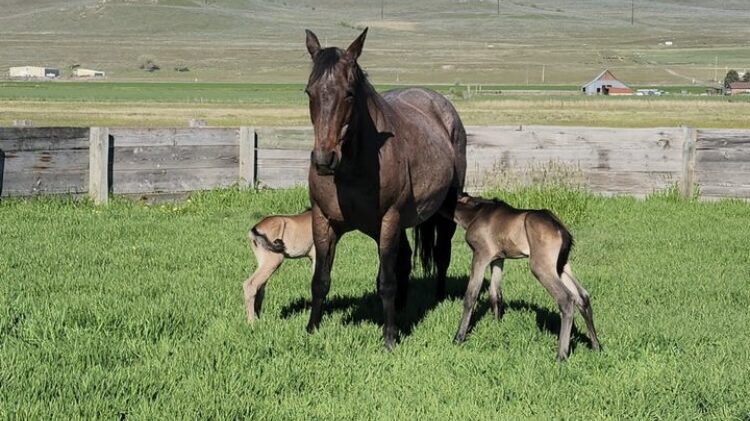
(479, 263)
(388, 247)
(325, 239)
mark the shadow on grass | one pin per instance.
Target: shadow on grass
(368, 308)
(549, 321)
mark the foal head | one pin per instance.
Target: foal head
(332, 89)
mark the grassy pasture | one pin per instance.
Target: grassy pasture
(225, 104)
(136, 311)
(441, 41)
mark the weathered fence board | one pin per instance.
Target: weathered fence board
(176, 137)
(147, 161)
(43, 160)
(281, 168)
(180, 180)
(286, 138)
(723, 163)
(44, 182)
(613, 161)
(171, 157)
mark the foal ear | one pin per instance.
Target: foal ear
(355, 49)
(313, 45)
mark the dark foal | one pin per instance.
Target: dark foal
(380, 164)
(496, 231)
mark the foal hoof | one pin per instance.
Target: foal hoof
(311, 328)
(459, 339)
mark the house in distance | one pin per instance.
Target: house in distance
(33, 72)
(738, 88)
(606, 84)
(88, 73)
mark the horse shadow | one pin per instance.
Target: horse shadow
(368, 308)
(549, 321)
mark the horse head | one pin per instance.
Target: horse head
(332, 89)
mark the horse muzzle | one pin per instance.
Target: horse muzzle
(324, 162)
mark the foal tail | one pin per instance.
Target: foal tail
(276, 246)
(567, 242)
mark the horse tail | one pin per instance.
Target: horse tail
(276, 246)
(424, 244)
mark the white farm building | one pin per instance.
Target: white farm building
(79, 72)
(28, 72)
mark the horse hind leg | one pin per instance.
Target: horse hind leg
(403, 271)
(496, 288)
(254, 286)
(545, 271)
(583, 303)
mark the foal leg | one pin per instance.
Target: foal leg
(545, 271)
(442, 253)
(403, 270)
(388, 247)
(584, 304)
(325, 239)
(496, 288)
(254, 286)
(478, 265)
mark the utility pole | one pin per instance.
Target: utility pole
(632, 12)
(498, 7)
(381, 8)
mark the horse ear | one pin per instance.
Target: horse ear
(355, 49)
(313, 45)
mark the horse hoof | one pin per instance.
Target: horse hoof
(311, 328)
(389, 345)
(459, 339)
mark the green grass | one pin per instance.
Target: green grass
(136, 311)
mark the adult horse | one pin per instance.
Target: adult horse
(380, 164)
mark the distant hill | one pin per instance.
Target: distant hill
(437, 41)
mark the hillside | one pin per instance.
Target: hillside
(416, 42)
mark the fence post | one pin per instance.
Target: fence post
(688, 161)
(247, 157)
(98, 164)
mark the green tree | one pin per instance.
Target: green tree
(746, 77)
(731, 77)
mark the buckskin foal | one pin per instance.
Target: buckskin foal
(380, 164)
(496, 231)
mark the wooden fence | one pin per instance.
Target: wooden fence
(145, 162)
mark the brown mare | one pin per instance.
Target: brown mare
(381, 163)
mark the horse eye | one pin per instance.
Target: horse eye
(349, 95)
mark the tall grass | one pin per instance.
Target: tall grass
(134, 311)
